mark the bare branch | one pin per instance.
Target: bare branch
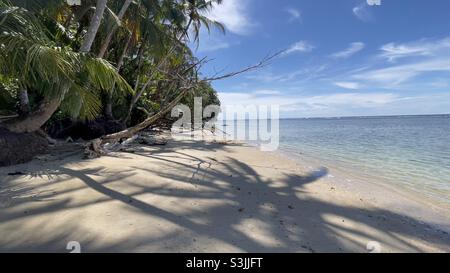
(264, 62)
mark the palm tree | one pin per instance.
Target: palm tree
(195, 10)
(49, 69)
(182, 16)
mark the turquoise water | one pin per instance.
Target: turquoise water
(407, 151)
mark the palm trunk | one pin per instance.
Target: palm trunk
(108, 107)
(79, 14)
(124, 52)
(111, 32)
(24, 102)
(138, 94)
(34, 120)
(134, 101)
(94, 25)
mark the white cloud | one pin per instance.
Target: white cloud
(351, 99)
(212, 42)
(418, 58)
(402, 73)
(344, 100)
(362, 13)
(266, 93)
(301, 46)
(393, 51)
(208, 47)
(350, 51)
(234, 15)
(295, 14)
(343, 104)
(310, 72)
(348, 85)
(265, 76)
(254, 98)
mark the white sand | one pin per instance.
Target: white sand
(206, 197)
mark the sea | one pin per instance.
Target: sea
(410, 152)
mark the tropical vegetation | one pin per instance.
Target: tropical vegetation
(118, 64)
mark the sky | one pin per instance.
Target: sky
(340, 57)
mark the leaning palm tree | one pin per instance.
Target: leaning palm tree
(49, 69)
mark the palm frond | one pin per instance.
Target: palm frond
(82, 102)
(104, 76)
(38, 5)
(31, 55)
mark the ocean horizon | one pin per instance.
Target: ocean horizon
(405, 151)
(344, 117)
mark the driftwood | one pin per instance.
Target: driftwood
(95, 148)
(151, 141)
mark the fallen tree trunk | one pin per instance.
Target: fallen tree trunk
(95, 149)
(149, 121)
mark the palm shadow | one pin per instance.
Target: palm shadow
(243, 200)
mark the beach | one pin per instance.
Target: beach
(207, 196)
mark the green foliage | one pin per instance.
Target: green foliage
(40, 41)
(8, 90)
(46, 67)
(195, 9)
(37, 5)
(104, 76)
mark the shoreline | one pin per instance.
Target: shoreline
(348, 175)
(191, 196)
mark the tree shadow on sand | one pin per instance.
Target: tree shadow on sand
(244, 211)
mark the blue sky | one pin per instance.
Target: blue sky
(342, 58)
